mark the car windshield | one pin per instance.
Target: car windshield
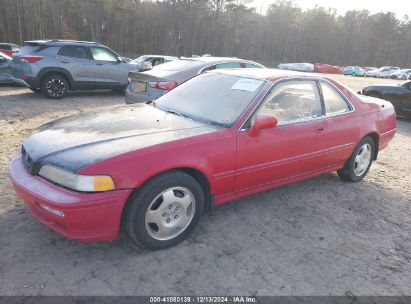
(211, 98)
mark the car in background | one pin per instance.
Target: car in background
(9, 48)
(354, 71)
(403, 74)
(399, 95)
(54, 67)
(152, 60)
(5, 69)
(149, 85)
(383, 72)
(155, 168)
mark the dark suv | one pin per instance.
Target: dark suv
(53, 67)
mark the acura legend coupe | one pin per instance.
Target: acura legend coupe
(155, 168)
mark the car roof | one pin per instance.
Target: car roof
(265, 74)
(61, 42)
(211, 59)
(160, 56)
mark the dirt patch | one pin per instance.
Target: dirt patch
(317, 237)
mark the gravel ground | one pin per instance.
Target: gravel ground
(317, 237)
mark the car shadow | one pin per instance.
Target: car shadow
(295, 200)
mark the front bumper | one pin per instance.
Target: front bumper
(87, 217)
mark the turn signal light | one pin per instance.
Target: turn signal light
(103, 183)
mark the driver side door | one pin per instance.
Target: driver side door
(291, 149)
(109, 71)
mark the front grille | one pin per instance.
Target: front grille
(27, 160)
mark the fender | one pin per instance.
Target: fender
(66, 73)
(210, 154)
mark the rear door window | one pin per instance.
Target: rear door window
(156, 61)
(6, 47)
(228, 65)
(74, 51)
(334, 102)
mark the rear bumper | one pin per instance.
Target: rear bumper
(87, 217)
(30, 82)
(133, 97)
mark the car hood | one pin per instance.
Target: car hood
(80, 140)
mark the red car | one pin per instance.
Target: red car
(9, 48)
(218, 137)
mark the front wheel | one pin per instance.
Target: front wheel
(165, 210)
(54, 86)
(359, 163)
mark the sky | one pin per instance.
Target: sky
(399, 7)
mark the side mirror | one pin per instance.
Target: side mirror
(262, 121)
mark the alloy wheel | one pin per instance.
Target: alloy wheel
(55, 87)
(170, 213)
(363, 159)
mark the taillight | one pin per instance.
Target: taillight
(30, 59)
(163, 85)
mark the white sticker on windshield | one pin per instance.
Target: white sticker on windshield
(246, 84)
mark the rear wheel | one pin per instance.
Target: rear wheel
(359, 163)
(54, 86)
(165, 210)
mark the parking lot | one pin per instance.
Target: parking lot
(317, 237)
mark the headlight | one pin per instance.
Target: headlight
(84, 183)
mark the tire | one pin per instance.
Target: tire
(170, 199)
(404, 77)
(54, 86)
(359, 163)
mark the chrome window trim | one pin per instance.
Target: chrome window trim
(317, 80)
